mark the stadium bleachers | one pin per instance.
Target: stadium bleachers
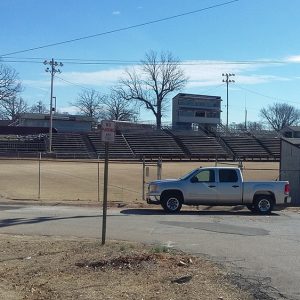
(119, 149)
(24, 145)
(199, 145)
(153, 144)
(148, 143)
(69, 145)
(272, 144)
(245, 147)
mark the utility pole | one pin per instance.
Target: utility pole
(52, 70)
(245, 114)
(227, 80)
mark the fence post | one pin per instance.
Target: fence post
(39, 192)
(159, 168)
(241, 167)
(98, 180)
(143, 185)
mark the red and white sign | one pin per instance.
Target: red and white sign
(108, 131)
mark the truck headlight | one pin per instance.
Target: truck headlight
(153, 188)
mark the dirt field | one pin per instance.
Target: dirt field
(73, 181)
(52, 268)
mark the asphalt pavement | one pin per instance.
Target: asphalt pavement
(262, 252)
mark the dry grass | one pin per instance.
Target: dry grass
(66, 181)
(40, 268)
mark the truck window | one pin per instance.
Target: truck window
(227, 175)
(205, 176)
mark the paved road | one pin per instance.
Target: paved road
(263, 249)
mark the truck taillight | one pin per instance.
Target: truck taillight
(287, 189)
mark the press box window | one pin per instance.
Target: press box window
(200, 114)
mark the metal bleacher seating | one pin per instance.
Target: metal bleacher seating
(118, 149)
(24, 145)
(272, 144)
(69, 145)
(198, 145)
(245, 147)
(153, 144)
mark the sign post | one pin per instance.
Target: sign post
(107, 136)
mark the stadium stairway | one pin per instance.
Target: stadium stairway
(119, 149)
(179, 142)
(153, 144)
(201, 146)
(245, 148)
(69, 145)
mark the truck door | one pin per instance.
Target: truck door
(201, 188)
(229, 187)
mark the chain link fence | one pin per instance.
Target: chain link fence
(67, 180)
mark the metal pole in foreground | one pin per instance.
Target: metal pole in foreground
(105, 193)
(39, 194)
(143, 183)
(98, 181)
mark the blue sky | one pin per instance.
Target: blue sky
(264, 33)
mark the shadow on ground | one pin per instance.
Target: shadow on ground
(27, 221)
(207, 211)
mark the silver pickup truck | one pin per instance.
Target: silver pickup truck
(218, 186)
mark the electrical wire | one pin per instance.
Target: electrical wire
(75, 84)
(123, 28)
(215, 87)
(77, 61)
(263, 95)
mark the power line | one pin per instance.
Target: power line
(75, 84)
(123, 28)
(213, 88)
(266, 96)
(77, 61)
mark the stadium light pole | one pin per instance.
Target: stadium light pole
(227, 80)
(52, 70)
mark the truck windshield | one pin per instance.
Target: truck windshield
(189, 174)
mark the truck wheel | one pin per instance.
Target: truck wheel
(263, 204)
(171, 203)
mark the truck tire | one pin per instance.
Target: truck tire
(171, 202)
(263, 204)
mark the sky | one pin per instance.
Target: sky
(257, 40)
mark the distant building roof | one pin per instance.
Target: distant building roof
(196, 96)
(291, 128)
(36, 116)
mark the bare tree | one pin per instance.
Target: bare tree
(90, 103)
(9, 109)
(10, 85)
(117, 108)
(39, 107)
(255, 126)
(153, 82)
(280, 115)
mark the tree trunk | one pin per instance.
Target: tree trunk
(158, 116)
